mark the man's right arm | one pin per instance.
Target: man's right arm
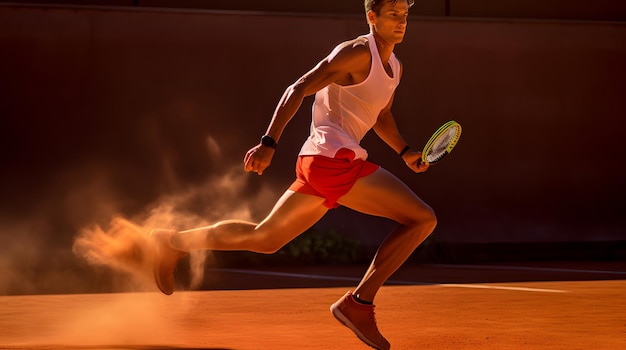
(334, 68)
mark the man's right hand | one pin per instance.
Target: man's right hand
(258, 158)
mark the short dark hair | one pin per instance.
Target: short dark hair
(376, 5)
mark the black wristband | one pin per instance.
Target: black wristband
(404, 150)
(268, 141)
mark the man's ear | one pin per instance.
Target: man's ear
(371, 17)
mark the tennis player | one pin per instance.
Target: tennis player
(354, 89)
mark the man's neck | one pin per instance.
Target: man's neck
(384, 48)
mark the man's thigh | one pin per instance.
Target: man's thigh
(383, 194)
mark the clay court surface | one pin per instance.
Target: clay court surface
(523, 306)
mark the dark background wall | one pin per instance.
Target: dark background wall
(599, 10)
(116, 111)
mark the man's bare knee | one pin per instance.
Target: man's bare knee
(422, 226)
(430, 221)
(268, 246)
(264, 242)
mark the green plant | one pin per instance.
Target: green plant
(317, 247)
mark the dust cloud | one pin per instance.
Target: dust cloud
(81, 224)
(120, 245)
(124, 245)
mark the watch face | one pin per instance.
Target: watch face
(268, 141)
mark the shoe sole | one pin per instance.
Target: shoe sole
(156, 272)
(346, 322)
(157, 279)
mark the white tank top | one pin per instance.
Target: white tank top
(342, 115)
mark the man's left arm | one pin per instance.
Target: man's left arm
(387, 129)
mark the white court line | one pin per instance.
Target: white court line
(521, 289)
(352, 279)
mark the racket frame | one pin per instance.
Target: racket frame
(442, 129)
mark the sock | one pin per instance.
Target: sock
(361, 301)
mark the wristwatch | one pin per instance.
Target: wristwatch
(268, 141)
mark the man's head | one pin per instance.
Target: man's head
(388, 18)
(376, 5)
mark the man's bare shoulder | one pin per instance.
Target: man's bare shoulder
(353, 49)
(349, 62)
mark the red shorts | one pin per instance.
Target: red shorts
(330, 178)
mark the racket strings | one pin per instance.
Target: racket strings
(440, 146)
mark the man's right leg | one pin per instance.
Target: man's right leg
(293, 214)
(384, 195)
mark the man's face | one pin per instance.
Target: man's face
(392, 21)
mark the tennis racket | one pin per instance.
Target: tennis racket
(441, 143)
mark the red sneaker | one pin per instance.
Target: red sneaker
(361, 320)
(165, 259)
